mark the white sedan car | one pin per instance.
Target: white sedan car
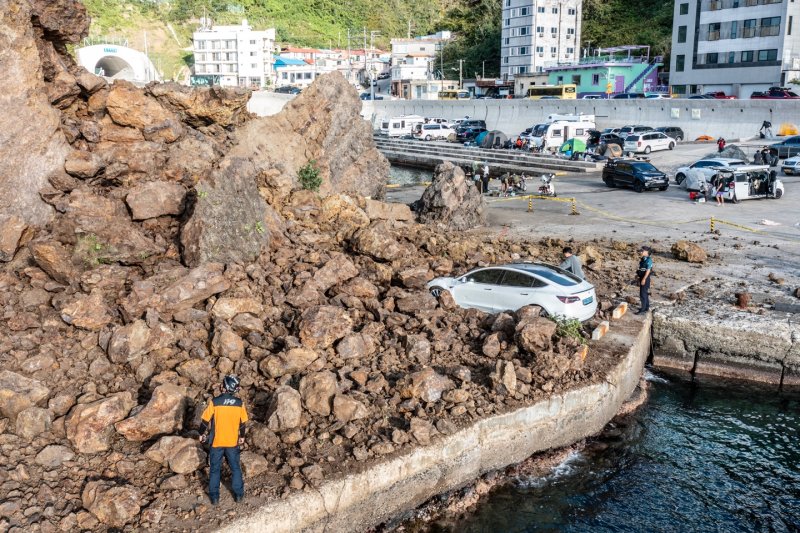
(512, 286)
(708, 167)
(791, 165)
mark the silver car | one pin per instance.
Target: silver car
(515, 285)
(707, 167)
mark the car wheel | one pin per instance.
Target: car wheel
(679, 178)
(679, 138)
(427, 137)
(671, 146)
(664, 188)
(436, 291)
(778, 193)
(637, 186)
(647, 149)
(610, 182)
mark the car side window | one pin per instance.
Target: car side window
(516, 279)
(490, 276)
(623, 167)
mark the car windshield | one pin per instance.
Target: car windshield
(551, 273)
(539, 130)
(645, 167)
(632, 138)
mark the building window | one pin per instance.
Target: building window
(553, 30)
(524, 30)
(681, 34)
(523, 70)
(524, 12)
(253, 65)
(252, 41)
(679, 62)
(553, 50)
(713, 31)
(572, 11)
(539, 29)
(731, 57)
(712, 58)
(576, 79)
(508, 22)
(540, 9)
(747, 56)
(505, 60)
(768, 55)
(560, 80)
(789, 25)
(570, 51)
(508, 41)
(200, 45)
(508, 3)
(540, 49)
(749, 29)
(679, 89)
(770, 26)
(555, 11)
(684, 9)
(253, 54)
(570, 31)
(595, 79)
(523, 50)
(734, 29)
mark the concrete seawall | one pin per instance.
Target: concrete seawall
(739, 347)
(385, 490)
(732, 119)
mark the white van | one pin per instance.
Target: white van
(562, 128)
(399, 126)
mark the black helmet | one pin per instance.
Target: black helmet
(230, 384)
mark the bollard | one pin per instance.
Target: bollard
(574, 208)
(619, 311)
(712, 225)
(530, 204)
(600, 330)
(582, 352)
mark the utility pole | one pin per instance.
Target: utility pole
(460, 73)
(372, 35)
(409, 28)
(483, 69)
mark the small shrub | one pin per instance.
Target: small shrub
(309, 177)
(569, 327)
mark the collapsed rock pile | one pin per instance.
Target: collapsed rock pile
(179, 249)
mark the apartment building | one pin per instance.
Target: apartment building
(418, 58)
(736, 46)
(234, 55)
(537, 34)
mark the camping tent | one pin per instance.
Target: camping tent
(480, 137)
(573, 145)
(493, 139)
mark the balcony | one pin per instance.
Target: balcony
(716, 5)
(769, 31)
(713, 36)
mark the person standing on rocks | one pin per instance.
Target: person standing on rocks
(643, 274)
(572, 263)
(485, 177)
(223, 428)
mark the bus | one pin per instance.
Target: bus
(563, 92)
(454, 95)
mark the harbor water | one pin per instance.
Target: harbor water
(715, 456)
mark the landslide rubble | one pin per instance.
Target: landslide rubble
(176, 247)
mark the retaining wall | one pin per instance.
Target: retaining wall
(732, 119)
(740, 346)
(362, 500)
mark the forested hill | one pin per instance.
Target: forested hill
(325, 23)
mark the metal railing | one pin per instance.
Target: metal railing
(716, 5)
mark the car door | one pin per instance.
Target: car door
(624, 174)
(663, 140)
(516, 289)
(478, 289)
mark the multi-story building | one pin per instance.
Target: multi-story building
(234, 55)
(736, 46)
(419, 58)
(537, 34)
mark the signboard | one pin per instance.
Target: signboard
(203, 81)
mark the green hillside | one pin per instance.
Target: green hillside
(168, 25)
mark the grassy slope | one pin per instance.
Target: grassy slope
(324, 23)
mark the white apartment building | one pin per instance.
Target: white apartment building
(234, 55)
(417, 59)
(736, 46)
(537, 34)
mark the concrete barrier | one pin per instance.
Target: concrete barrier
(362, 500)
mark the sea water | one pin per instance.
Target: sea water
(710, 456)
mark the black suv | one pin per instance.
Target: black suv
(634, 173)
(672, 131)
(288, 89)
(469, 129)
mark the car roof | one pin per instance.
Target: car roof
(544, 270)
(720, 159)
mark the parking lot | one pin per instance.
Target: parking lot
(626, 215)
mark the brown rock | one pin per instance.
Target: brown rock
(451, 200)
(505, 377)
(11, 229)
(84, 165)
(199, 107)
(89, 426)
(377, 210)
(415, 277)
(292, 361)
(253, 464)
(346, 408)
(55, 259)
(114, 506)
(128, 105)
(591, 256)
(360, 288)
(426, 385)
(227, 308)
(491, 345)
(32, 422)
(137, 339)
(688, 251)
(317, 391)
(285, 410)
(321, 326)
(337, 270)
(536, 334)
(18, 393)
(340, 215)
(378, 241)
(53, 456)
(156, 198)
(418, 348)
(163, 414)
(198, 371)
(415, 302)
(356, 346)
(228, 344)
(422, 430)
(181, 455)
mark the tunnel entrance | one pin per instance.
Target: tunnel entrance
(114, 67)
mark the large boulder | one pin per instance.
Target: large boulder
(535, 334)
(136, 339)
(128, 105)
(11, 231)
(90, 426)
(689, 251)
(155, 198)
(113, 505)
(317, 391)
(285, 410)
(322, 325)
(427, 385)
(182, 455)
(323, 125)
(162, 414)
(54, 258)
(18, 393)
(199, 107)
(451, 201)
(32, 146)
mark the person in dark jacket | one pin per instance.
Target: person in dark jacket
(222, 428)
(643, 274)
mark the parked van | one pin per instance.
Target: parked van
(399, 126)
(561, 128)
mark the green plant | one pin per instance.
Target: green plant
(309, 177)
(569, 327)
(91, 250)
(202, 194)
(259, 227)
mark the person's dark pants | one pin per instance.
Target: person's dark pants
(232, 456)
(644, 295)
